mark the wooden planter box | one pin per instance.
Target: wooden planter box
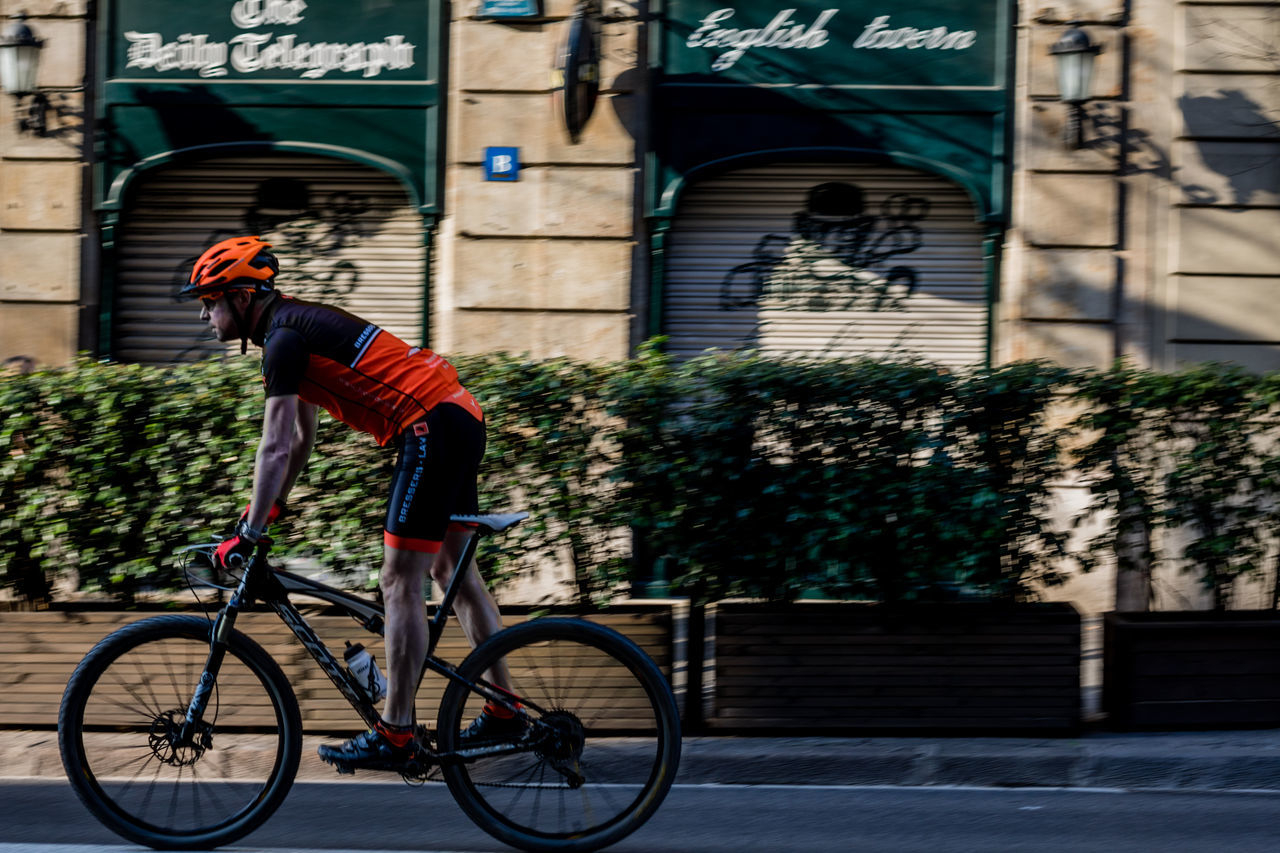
(39, 651)
(1189, 670)
(838, 665)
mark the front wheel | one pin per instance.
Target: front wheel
(156, 781)
(597, 754)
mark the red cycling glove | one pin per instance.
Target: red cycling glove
(234, 551)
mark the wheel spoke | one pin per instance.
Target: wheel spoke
(581, 676)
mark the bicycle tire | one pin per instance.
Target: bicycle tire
(618, 713)
(132, 689)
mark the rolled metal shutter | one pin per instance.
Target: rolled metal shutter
(346, 235)
(835, 260)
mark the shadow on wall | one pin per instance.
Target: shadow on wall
(191, 116)
(1209, 325)
(1233, 137)
(1248, 160)
(624, 103)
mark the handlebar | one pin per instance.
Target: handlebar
(200, 565)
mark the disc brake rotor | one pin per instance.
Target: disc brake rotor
(167, 745)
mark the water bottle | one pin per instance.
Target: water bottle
(365, 669)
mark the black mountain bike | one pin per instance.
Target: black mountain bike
(180, 731)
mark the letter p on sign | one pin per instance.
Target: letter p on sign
(502, 164)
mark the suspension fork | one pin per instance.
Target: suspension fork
(221, 630)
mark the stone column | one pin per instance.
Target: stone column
(1062, 280)
(542, 265)
(42, 184)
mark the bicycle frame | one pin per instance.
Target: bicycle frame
(261, 582)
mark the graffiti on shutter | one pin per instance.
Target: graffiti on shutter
(835, 259)
(830, 260)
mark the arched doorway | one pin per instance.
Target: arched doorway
(346, 234)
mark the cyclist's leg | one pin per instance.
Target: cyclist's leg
(408, 552)
(390, 744)
(477, 611)
(436, 478)
(404, 572)
(410, 545)
(459, 441)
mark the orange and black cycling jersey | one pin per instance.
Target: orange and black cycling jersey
(361, 374)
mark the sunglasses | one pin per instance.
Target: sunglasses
(208, 302)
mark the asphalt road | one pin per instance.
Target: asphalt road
(39, 816)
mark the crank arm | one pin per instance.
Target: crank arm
(575, 779)
(467, 755)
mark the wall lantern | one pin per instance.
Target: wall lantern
(1074, 54)
(19, 62)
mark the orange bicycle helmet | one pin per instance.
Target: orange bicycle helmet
(239, 262)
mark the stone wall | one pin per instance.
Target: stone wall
(43, 184)
(544, 265)
(1225, 162)
(1153, 241)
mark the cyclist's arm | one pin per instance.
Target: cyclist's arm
(304, 438)
(272, 464)
(289, 425)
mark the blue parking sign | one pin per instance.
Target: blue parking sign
(502, 164)
(508, 9)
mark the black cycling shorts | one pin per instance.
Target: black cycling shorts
(435, 477)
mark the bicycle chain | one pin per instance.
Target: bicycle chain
(514, 784)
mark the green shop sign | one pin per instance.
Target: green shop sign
(360, 81)
(923, 83)
(257, 39)
(919, 43)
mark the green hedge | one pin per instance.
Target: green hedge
(1194, 450)
(727, 475)
(750, 476)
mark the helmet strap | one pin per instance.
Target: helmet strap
(242, 323)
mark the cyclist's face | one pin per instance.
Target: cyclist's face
(217, 313)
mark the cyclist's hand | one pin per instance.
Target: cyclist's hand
(278, 509)
(235, 550)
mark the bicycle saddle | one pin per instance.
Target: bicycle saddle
(493, 523)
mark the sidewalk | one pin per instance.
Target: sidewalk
(1190, 761)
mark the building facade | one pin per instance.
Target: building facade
(805, 177)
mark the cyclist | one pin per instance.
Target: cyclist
(314, 356)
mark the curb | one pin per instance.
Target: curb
(1166, 762)
(1237, 761)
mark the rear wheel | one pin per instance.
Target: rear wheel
(123, 747)
(599, 750)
